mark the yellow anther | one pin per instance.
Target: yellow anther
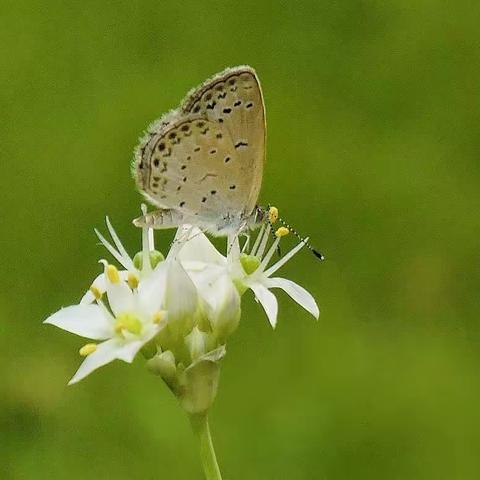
(112, 274)
(273, 214)
(158, 317)
(87, 349)
(132, 280)
(282, 231)
(96, 292)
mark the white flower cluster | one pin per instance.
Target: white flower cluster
(179, 310)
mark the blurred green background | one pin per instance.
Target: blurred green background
(373, 151)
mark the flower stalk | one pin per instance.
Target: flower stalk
(201, 429)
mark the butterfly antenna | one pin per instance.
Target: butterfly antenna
(302, 239)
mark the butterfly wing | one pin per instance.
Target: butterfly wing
(203, 162)
(233, 98)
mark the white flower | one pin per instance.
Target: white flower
(257, 276)
(135, 269)
(207, 268)
(133, 318)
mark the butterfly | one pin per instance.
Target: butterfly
(202, 163)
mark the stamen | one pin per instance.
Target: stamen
(282, 231)
(272, 215)
(146, 267)
(246, 244)
(132, 280)
(264, 241)
(112, 274)
(270, 253)
(87, 349)
(96, 292)
(158, 317)
(257, 240)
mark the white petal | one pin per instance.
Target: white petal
(180, 294)
(128, 350)
(199, 248)
(101, 284)
(268, 301)
(98, 283)
(151, 290)
(85, 320)
(297, 293)
(204, 277)
(105, 353)
(120, 297)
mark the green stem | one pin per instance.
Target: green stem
(207, 452)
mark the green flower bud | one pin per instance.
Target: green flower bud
(163, 364)
(155, 258)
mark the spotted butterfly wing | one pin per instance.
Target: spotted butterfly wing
(203, 163)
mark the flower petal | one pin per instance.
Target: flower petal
(199, 248)
(297, 293)
(120, 297)
(105, 353)
(180, 294)
(130, 348)
(268, 301)
(101, 284)
(151, 290)
(87, 321)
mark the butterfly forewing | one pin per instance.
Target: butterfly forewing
(234, 99)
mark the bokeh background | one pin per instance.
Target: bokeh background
(373, 151)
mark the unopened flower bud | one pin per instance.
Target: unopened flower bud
(225, 316)
(163, 364)
(196, 343)
(155, 258)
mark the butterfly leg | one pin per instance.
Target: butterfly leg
(159, 219)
